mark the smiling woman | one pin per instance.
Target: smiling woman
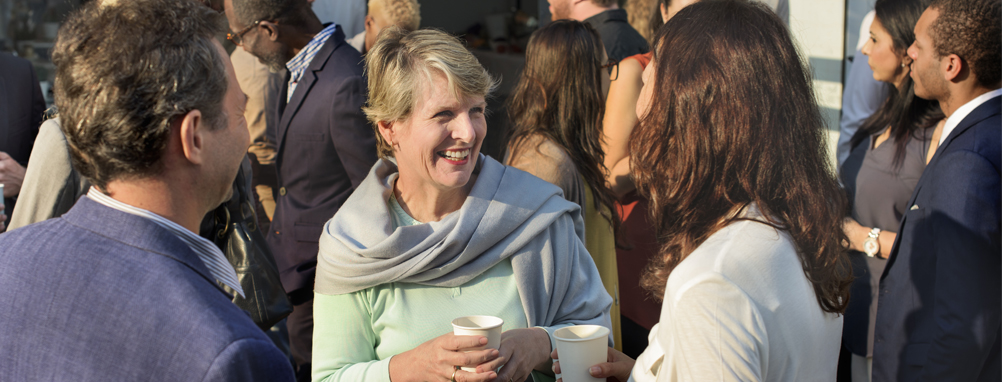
(438, 231)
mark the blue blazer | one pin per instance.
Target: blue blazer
(325, 147)
(103, 295)
(941, 292)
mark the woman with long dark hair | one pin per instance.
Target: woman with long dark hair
(556, 113)
(730, 151)
(890, 151)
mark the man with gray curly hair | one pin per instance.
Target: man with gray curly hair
(121, 288)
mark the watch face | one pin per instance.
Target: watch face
(871, 247)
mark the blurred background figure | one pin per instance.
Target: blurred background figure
(889, 153)
(644, 17)
(404, 14)
(21, 109)
(262, 87)
(324, 145)
(618, 37)
(637, 240)
(556, 113)
(862, 96)
(349, 14)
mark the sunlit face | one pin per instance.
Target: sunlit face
(437, 146)
(375, 21)
(227, 146)
(883, 60)
(673, 7)
(647, 92)
(925, 67)
(560, 9)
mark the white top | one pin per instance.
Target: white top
(358, 42)
(864, 29)
(963, 111)
(740, 308)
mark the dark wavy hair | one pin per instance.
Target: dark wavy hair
(125, 72)
(733, 121)
(559, 96)
(902, 111)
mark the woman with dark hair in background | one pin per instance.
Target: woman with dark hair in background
(890, 151)
(731, 155)
(639, 311)
(556, 113)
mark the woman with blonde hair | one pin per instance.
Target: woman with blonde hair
(437, 231)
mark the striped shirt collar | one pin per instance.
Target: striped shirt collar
(298, 64)
(213, 258)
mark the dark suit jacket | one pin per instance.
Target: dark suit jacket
(325, 148)
(103, 295)
(21, 109)
(941, 292)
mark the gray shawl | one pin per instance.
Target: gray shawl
(508, 214)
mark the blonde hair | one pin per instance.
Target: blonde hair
(399, 60)
(402, 13)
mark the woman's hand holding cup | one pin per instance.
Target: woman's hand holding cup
(437, 360)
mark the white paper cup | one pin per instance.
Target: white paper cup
(487, 326)
(580, 347)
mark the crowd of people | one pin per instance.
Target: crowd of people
(316, 207)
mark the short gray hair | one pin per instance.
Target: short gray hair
(399, 60)
(125, 70)
(402, 13)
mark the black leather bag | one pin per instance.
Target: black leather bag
(233, 227)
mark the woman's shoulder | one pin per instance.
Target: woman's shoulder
(744, 252)
(537, 147)
(544, 158)
(642, 59)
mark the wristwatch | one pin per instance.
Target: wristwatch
(871, 246)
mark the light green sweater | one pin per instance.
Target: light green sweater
(355, 334)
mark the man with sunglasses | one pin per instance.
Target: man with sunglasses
(323, 141)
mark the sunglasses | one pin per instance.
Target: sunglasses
(238, 38)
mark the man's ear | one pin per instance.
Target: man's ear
(951, 67)
(192, 129)
(269, 29)
(386, 130)
(369, 21)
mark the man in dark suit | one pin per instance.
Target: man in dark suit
(940, 313)
(325, 146)
(121, 288)
(21, 109)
